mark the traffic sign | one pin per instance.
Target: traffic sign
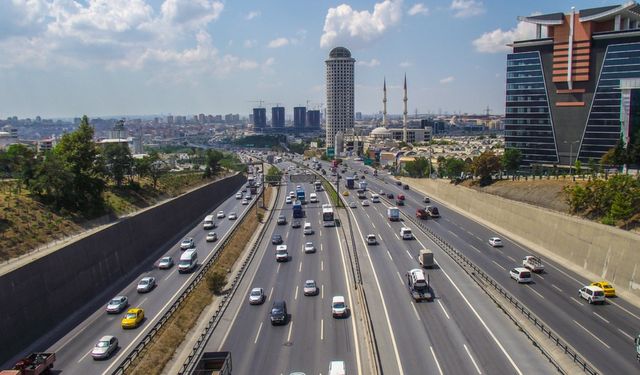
(302, 177)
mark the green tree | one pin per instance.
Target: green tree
(212, 160)
(51, 181)
(417, 168)
(157, 167)
(118, 161)
(485, 165)
(454, 167)
(79, 154)
(274, 175)
(593, 167)
(621, 207)
(17, 161)
(511, 160)
(578, 167)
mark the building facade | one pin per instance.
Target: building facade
(570, 94)
(340, 93)
(299, 118)
(313, 119)
(259, 119)
(277, 117)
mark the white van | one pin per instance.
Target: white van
(405, 233)
(313, 198)
(337, 368)
(307, 228)
(208, 222)
(521, 275)
(375, 198)
(188, 261)
(282, 255)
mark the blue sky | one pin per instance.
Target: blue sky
(64, 58)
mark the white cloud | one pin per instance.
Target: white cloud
(278, 42)
(446, 80)
(369, 64)
(251, 15)
(344, 25)
(250, 43)
(192, 13)
(405, 64)
(497, 40)
(467, 8)
(418, 8)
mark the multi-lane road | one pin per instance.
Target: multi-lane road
(73, 351)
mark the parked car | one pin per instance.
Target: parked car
(187, 243)
(609, 290)
(146, 284)
(104, 347)
(117, 304)
(211, 237)
(133, 318)
(310, 288)
(495, 242)
(592, 294)
(165, 263)
(256, 296)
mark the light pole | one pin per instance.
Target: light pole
(571, 155)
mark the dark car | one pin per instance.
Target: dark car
(282, 220)
(278, 313)
(399, 202)
(295, 224)
(398, 183)
(433, 211)
(421, 213)
(276, 239)
(390, 195)
(405, 187)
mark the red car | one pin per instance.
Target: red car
(401, 197)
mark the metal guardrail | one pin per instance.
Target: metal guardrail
(198, 347)
(463, 261)
(128, 360)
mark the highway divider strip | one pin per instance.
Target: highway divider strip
(466, 263)
(128, 360)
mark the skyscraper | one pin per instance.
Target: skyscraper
(299, 118)
(259, 119)
(313, 119)
(277, 117)
(340, 93)
(571, 93)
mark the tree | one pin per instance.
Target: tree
(615, 156)
(51, 181)
(274, 175)
(511, 160)
(417, 168)
(212, 160)
(157, 167)
(485, 165)
(578, 166)
(118, 161)
(17, 161)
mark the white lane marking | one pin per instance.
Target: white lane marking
(143, 301)
(300, 267)
(296, 295)
(84, 356)
(555, 287)
(400, 277)
(321, 329)
(258, 334)
(322, 265)
(169, 275)
(321, 247)
(443, 310)
(472, 360)
(624, 309)
(322, 291)
(498, 264)
(626, 334)
(475, 248)
(270, 293)
(601, 317)
(278, 269)
(511, 258)
(396, 234)
(384, 306)
(389, 225)
(373, 225)
(592, 335)
(436, 360)
(576, 301)
(453, 233)
(408, 254)
(415, 311)
(290, 329)
(533, 290)
(540, 276)
(389, 254)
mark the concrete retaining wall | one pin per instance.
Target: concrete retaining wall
(594, 250)
(43, 294)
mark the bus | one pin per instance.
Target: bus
(250, 180)
(318, 185)
(327, 216)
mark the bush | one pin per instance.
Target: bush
(216, 280)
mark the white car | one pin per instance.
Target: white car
(256, 297)
(365, 203)
(117, 304)
(146, 284)
(211, 237)
(245, 202)
(238, 195)
(521, 275)
(104, 347)
(165, 263)
(309, 248)
(592, 294)
(220, 215)
(353, 204)
(310, 288)
(233, 216)
(371, 239)
(287, 200)
(187, 243)
(338, 307)
(495, 242)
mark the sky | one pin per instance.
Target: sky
(66, 58)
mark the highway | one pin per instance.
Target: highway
(312, 337)
(73, 350)
(603, 334)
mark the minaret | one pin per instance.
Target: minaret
(404, 114)
(384, 103)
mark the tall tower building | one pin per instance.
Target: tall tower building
(384, 103)
(277, 117)
(259, 119)
(299, 118)
(313, 119)
(340, 93)
(404, 113)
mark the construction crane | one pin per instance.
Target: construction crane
(260, 101)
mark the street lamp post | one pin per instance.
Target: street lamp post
(571, 155)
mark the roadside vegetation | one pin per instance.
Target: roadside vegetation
(159, 352)
(79, 184)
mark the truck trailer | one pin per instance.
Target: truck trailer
(393, 214)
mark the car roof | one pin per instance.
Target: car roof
(106, 338)
(146, 278)
(495, 238)
(119, 297)
(594, 288)
(521, 269)
(310, 281)
(256, 289)
(337, 299)
(134, 310)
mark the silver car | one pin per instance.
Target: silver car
(309, 248)
(256, 297)
(146, 284)
(233, 216)
(187, 243)
(310, 288)
(211, 237)
(165, 263)
(117, 304)
(104, 347)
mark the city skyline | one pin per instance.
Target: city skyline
(145, 57)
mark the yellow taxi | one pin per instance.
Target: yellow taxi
(609, 290)
(345, 193)
(133, 318)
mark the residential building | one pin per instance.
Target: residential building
(340, 93)
(259, 119)
(277, 117)
(299, 118)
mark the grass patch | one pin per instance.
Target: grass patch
(160, 351)
(333, 195)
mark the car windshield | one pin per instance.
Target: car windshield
(280, 252)
(130, 316)
(115, 302)
(144, 282)
(255, 293)
(606, 286)
(102, 344)
(186, 242)
(338, 305)
(276, 311)
(165, 260)
(525, 275)
(310, 285)
(598, 293)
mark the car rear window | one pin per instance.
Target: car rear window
(525, 275)
(598, 293)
